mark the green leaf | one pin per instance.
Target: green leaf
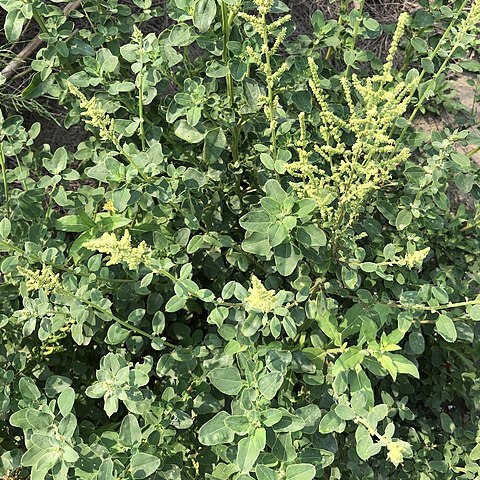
(247, 454)
(226, 379)
(256, 221)
(474, 312)
(277, 233)
(110, 223)
(175, 303)
(216, 69)
(475, 453)
(5, 228)
(252, 324)
(215, 143)
(300, 471)
(371, 24)
(302, 100)
(67, 425)
(38, 86)
(130, 433)
(267, 161)
(204, 14)
(142, 465)
(181, 35)
(105, 471)
(215, 432)
(349, 57)
(403, 220)
(13, 25)
(287, 257)
(66, 400)
(377, 414)
(275, 191)
(116, 334)
(416, 342)
(190, 134)
(446, 328)
(256, 243)
(238, 423)
(73, 223)
(39, 420)
(28, 389)
(19, 419)
(364, 443)
(121, 198)
(368, 267)
(289, 423)
(311, 415)
(58, 162)
(265, 473)
(56, 384)
(403, 365)
(348, 360)
(238, 69)
(419, 44)
(269, 384)
(107, 60)
(345, 412)
(331, 422)
(311, 236)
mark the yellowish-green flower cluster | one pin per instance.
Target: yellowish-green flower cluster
(349, 175)
(52, 343)
(416, 258)
(399, 31)
(471, 20)
(109, 207)
(262, 59)
(45, 279)
(95, 115)
(259, 297)
(120, 250)
(137, 36)
(395, 452)
(264, 6)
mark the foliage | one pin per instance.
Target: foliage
(252, 268)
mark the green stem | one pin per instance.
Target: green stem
(444, 307)
(226, 25)
(113, 317)
(226, 20)
(140, 102)
(38, 18)
(186, 61)
(339, 23)
(355, 34)
(270, 94)
(49, 205)
(5, 183)
(372, 431)
(471, 153)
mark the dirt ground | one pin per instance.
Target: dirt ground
(466, 94)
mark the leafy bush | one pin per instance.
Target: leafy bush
(252, 268)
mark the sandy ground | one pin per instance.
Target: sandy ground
(468, 96)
